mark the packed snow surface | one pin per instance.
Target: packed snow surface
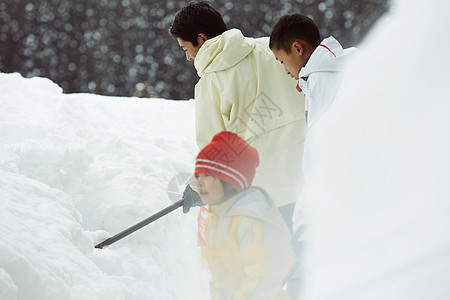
(378, 165)
(75, 169)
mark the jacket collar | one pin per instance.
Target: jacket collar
(326, 57)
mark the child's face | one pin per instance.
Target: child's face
(292, 62)
(210, 189)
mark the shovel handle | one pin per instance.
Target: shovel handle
(139, 225)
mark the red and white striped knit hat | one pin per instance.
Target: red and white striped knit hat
(229, 158)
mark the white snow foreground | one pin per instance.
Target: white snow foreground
(74, 168)
(378, 163)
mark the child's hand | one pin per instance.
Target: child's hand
(190, 199)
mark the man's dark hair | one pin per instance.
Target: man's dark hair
(291, 28)
(197, 18)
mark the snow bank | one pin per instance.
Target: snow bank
(74, 168)
(379, 166)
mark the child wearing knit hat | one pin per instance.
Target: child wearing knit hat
(247, 241)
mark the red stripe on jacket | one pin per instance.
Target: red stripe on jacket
(328, 49)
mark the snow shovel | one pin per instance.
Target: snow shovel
(139, 225)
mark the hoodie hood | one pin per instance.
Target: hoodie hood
(223, 52)
(329, 56)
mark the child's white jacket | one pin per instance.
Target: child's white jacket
(321, 77)
(247, 248)
(242, 88)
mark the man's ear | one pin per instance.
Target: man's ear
(298, 47)
(203, 37)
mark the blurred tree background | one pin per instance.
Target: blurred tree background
(123, 48)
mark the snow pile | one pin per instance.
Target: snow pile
(379, 166)
(74, 167)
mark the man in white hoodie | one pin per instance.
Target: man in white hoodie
(242, 88)
(318, 66)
